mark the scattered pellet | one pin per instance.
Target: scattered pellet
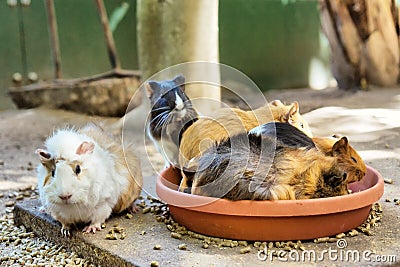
(321, 240)
(242, 243)
(182, 247)
(245, 250)
(341, 235)
(176, 235)
(146, 210)
(257, 244)
(154, 264)
(111, 236)
(157, 247)
(388, 181)
(128, 216)
(9, 203)
(29, 250)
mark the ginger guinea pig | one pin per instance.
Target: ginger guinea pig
(348, 158)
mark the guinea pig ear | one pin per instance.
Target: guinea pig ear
(46, 159)
(180, 81)
(276, 103)
(43, 155)
(150, 87)
(294, 109)
(337, 136)
(85, 148)
(341, 146)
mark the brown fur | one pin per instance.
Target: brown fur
(347, 157)
(228, 122)
(48, 162)
(240, 173)
(125, 161)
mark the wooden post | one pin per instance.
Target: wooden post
(180, 31)
(54, 42)
(112, 51)
(363, 40)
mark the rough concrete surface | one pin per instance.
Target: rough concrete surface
(371, 120)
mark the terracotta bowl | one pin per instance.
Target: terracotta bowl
(270, 220)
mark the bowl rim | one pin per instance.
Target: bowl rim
(271, 208)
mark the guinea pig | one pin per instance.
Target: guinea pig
(348, 158)
(85, 175)
(285, 133)
(260, 167)
(335, 146)
(226, 122)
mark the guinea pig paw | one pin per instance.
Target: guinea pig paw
(65, 231)
(133, 209)
(91, 229)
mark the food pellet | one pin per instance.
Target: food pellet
(245, 250)
(176, 235)
(182, 247)
(388, 181)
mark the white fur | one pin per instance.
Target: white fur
(178, 102)
(95, 191)
(168, 150)
(256, 130)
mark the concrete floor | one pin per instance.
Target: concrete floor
(370, 119)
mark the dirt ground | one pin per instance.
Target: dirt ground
(370, 119)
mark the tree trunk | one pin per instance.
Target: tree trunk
(179, 31)
(363, 40)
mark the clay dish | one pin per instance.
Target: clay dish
(270, 220)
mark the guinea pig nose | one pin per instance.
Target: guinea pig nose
(65, 196)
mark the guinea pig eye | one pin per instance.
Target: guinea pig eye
(301, 125)
(77, 169)
(354, 160)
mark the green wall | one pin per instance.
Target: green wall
(269, 41)
(82, 45)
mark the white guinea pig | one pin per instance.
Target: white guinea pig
(85, 175)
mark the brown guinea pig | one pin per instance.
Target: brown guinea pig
(348, 158)
(334, 146)
(258, 167)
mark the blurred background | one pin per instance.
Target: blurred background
(277, 43)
